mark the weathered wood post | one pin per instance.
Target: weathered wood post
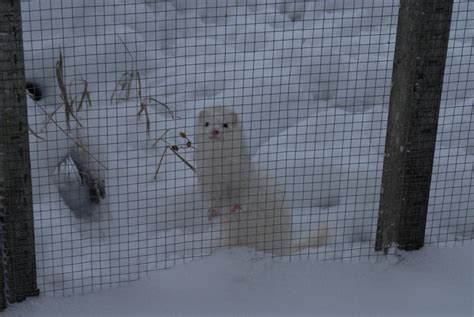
(16, 212)
(3, 290)
(419, 62)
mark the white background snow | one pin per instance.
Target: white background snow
(311, 80)
(431, 282)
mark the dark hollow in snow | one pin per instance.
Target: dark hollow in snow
(34, 90)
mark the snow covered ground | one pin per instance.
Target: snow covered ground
(431, 282)
(311, 79)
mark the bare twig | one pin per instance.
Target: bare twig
(163, 105)
(159, 163)
(182, 158)
(160, 138)
(36, 134)
(169, 147)
(49, 117)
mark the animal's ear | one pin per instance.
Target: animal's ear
(201, 117)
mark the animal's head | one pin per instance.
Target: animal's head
(218, 124)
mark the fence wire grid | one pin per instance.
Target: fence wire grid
(116, 90)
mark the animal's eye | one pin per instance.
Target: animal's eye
(225, 125)
(206, 124)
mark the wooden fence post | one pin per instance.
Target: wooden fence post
(419, 62)
(16, 214)
(3, 285)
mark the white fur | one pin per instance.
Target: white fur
(227, 177)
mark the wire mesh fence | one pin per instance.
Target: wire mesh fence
(130, 176)
(451, 200)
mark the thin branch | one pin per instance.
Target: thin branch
(164, 105)
(182, 159)
(159, 139)
(159, 163)
(36, 134)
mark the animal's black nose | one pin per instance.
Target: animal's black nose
(215, 132)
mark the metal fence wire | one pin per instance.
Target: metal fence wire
(451, 216)
(131, 175)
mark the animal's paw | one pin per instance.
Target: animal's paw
(213, 212)
(235, 207)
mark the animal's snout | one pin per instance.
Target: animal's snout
(215, 134)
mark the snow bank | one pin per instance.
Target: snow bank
(430, 282)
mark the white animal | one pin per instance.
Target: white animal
(248, 201)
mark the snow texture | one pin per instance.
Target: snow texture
(311, 80)
(431, 282)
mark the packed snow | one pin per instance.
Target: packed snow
(430, 282)
(311, 80)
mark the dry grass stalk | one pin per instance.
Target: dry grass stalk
(163, 105)
(85, 97)
(160, 138)
(159, 163)
(64, 94)
(143, 109)
(132, 79)
(76, 141)
(36, 134)
(182, 158)
(174, 148)
(123, 87)
(175, 152)
(69, 100)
